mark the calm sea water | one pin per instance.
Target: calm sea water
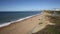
(11, 16)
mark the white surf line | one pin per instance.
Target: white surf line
(6, 24)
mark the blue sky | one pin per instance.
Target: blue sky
(28, 5)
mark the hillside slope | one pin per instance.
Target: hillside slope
(50, 24)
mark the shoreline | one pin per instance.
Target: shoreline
(22, 27)
(8, 23)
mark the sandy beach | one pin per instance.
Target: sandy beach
(21, 27)
(34, 25)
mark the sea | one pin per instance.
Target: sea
(9, 16)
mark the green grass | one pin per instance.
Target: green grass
(52, 30)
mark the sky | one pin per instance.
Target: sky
(28, 5)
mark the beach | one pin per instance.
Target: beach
(36, 24)
(21, 27)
